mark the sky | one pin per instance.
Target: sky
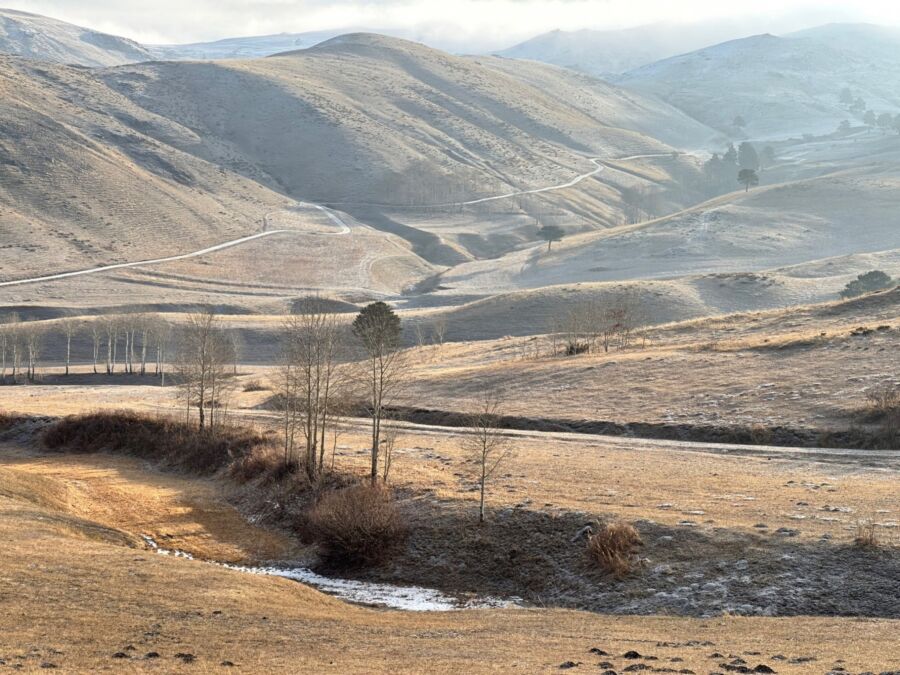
(458, 25)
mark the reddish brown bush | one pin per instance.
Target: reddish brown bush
(613, 548)
(160, 440)
(357, 525)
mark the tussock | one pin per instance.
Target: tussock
(613, 549)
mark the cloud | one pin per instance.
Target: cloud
(462, 25)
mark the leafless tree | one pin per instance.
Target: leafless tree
(162, 334)
(111, 328)
(486, 443)
(310, 380)
(8, 341)
(439, 331)
(96, 340)
(203, 356)
(69, 328)
(389, 437)
(33, 337)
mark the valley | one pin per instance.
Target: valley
(334, 351)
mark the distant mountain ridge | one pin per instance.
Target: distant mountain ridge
(781, 85)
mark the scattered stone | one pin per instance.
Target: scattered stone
(187, 658)
(631, 655)
(609, 672)
(606, 664)
(227, 664)
(635, 667)
(568, 664)
(598, 651)
(763, 668)
(45, 664)
(786, 532)
(151, 655)
(120, 655)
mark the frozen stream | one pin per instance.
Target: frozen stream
(409, 598)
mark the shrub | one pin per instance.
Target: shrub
(161, 440)
(866, 535)
(256, 385)
(883, 399)
(876, 280)
(613, 548)
(357, 525)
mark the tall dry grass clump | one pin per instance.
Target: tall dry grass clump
(614, 547)
(357, 525)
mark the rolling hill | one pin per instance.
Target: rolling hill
(150, 160)
(46, 39)
(781, 86)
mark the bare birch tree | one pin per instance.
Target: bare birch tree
(310, 381)
(202, 361)
(486, 444)
(69, 328)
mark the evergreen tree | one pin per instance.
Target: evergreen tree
(747, 157)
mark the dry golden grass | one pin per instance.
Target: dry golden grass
(76, 595)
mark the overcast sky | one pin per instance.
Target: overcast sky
(473, 25)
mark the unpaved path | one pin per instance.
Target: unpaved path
(330, 213)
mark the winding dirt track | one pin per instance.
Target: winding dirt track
(330, 213)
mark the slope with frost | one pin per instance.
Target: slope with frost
(780, 86)
(46, 39)
(85, 179)
(365, 118)
(846, 213)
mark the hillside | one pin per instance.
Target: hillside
(840, 214)
(250, 47)
(45, 39)
(781, 86)
(611, 52)
(151, 160)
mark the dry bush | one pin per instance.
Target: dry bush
(866, 535)
(357, 525)
(256, 385)
(883, 400)
(161, 440)
(613, 548)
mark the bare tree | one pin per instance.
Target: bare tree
(70, 328)
(8, 340)
(202, 362)
(96, 340)
(389, 436)
(439, 331)
(111, 328)
(378, 329)
(33, 335)
(488, 447)
(310, 380)
(162, 332)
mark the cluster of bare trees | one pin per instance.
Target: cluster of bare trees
(431, 333)
(21, 346)
(204, 366)
(313, 384)
(129, 343)
(328, 366)
(596, 324)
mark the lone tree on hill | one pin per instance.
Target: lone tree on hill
(748, 178)
(551, 233)
(378, 328)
